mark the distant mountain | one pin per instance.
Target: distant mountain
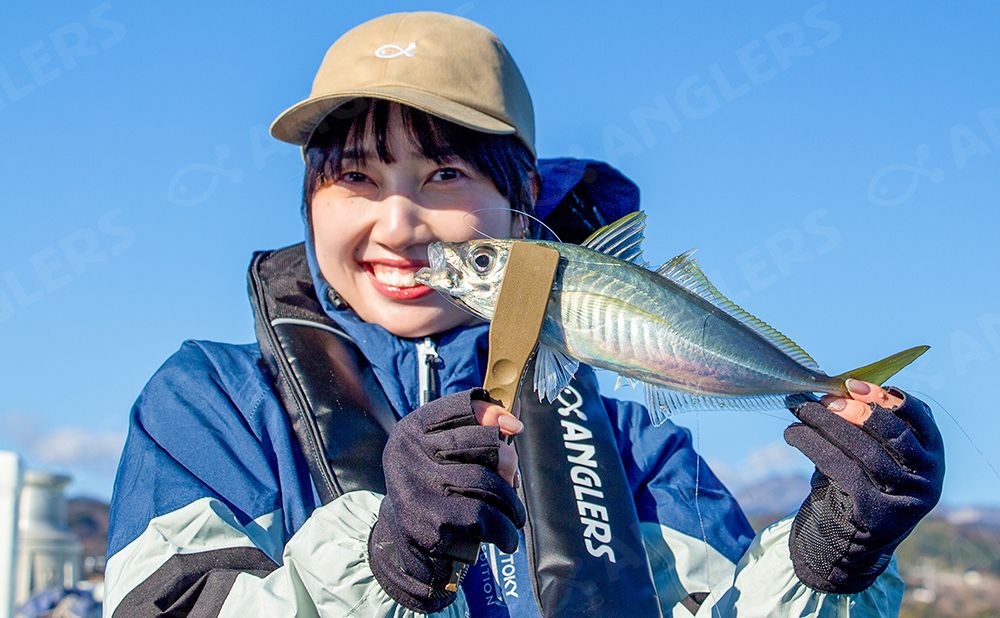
(88, 520)
(988, 516)
(773, 497)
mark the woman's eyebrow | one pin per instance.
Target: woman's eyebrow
(356, 154)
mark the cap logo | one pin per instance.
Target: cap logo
(391, 50)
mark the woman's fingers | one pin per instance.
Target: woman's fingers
(855, 410)
(492, 415)
(867, 392)
(507, 464)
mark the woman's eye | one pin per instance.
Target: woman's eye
(354, 177)
(448, 173)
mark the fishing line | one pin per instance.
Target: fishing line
(454, 301)
(511, 210)
(697, 507)
(962, 429)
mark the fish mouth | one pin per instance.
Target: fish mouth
(438, 274)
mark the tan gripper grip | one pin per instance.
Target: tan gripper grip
(517, 319)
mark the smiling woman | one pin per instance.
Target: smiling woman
(348, 462)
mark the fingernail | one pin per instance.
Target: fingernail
(858, 387)
(510, 424)
(837, 405)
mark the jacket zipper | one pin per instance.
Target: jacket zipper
(427, 378)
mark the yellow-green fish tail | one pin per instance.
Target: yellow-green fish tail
(880, 371)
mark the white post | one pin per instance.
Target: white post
(10, 491)
(48, 553)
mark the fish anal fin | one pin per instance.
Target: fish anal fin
(685, 272)
(662, 403)
(623, 381)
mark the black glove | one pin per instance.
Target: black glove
(443, 498)
(871, 487)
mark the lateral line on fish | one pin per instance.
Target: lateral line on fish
(592, 297)
(968, 437)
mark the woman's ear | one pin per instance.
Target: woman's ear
(520, 225)
(536, 187)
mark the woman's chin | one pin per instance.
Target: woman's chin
(421, 321)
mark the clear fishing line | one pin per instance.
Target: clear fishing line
(962, 429)
(511, 210)
(697, 504)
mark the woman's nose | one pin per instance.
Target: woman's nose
(399, 222)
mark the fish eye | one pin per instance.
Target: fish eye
(482, 259)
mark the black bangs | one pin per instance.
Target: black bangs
(360, 129)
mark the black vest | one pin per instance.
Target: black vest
(584, 547)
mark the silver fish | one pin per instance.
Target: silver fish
(670, 329)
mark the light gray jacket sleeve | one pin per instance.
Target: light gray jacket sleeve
(322, 570)
(762, 584)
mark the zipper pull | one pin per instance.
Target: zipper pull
(427, 379)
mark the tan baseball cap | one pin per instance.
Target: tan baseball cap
(445, 65)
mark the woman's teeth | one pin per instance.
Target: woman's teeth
(396, 277)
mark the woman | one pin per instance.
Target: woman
(347, 465)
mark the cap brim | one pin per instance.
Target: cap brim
(296, 124)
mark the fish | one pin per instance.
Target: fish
(668, 328)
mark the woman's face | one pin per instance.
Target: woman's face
(373, 223)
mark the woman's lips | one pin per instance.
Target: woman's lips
(394, 278)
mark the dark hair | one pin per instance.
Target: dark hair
(503, 159)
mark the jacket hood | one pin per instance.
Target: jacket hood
(577, 197)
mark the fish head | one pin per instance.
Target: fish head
(468, 273)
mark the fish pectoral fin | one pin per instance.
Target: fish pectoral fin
(553, 371)
(662, 403)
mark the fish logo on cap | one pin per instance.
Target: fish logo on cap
(391, 50)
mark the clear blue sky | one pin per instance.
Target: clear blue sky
(835, 164)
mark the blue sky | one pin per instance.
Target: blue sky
(835, 165)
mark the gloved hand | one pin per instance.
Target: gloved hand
(444, 496)
(877, 475)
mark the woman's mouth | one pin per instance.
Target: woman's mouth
(394, 278)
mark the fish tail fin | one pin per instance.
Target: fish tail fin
(880, 371)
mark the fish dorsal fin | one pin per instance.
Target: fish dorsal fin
(621, 239)
(685, 272)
